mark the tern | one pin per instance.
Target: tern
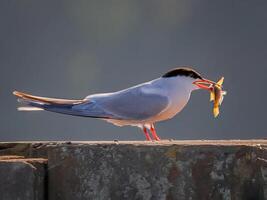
(142, 105)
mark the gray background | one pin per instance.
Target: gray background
(70, 49)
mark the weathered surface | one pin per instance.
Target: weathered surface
(26, 149)
(196, 170)
(165, 170)
(22, 179)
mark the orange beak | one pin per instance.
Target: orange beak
(204, 84)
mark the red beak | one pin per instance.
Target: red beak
(204, 84)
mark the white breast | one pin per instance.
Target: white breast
(178, 94)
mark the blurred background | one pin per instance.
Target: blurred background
(70, 49)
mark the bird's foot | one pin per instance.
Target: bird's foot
(154, 134)
(148, 138)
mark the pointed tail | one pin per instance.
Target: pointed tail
(33, 103)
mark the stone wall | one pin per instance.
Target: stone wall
(196, 170)
(22, 178)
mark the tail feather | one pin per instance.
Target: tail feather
(83, 108)
(36, 103)
(45, 100)
(29, 108)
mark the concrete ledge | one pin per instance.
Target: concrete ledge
(23, 179)
(198, 170)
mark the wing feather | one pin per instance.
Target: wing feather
(131, 104)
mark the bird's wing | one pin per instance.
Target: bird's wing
(131, 104)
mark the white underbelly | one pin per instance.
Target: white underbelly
(171, 111)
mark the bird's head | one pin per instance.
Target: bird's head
(189, 77)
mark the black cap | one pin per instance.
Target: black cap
(182, 71)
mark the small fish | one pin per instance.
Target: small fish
(216, 95)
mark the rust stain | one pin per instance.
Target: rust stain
(173, 173)
(201, 176)
(171, 153)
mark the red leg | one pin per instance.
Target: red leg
(148, 138)
(154, 133)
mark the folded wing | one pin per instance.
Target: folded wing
(131, 104)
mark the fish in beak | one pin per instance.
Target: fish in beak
(216, 92)
(216, 95)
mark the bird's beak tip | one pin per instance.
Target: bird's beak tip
(204, 84)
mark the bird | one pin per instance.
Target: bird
(141, 105)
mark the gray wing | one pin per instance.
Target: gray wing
(131, 104)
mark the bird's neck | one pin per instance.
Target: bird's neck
(177, 91)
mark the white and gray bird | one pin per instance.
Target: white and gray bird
(142, 105)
